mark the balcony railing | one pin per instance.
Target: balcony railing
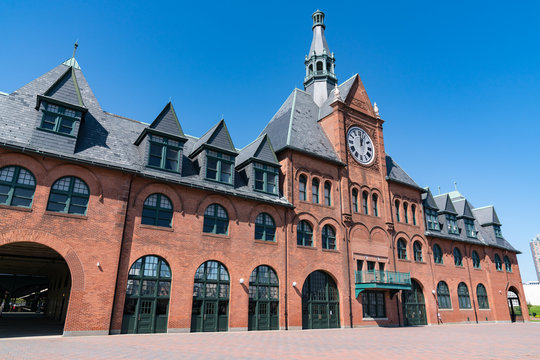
(373, 279)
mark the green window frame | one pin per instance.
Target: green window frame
(69, 195)
(397, 211)
(417, 251)
(451, 223)
(373, 304)
(469, 228)
(216, 220)
(355, 200)
(432, 220)
(265, 227)
(59, 119)
(266, 178)
(375, 203)
(264, 286)
(328, 193)
(437, 254)
(219, 167)
(443, 296)
(304, 234)
(211, 281)
(328, 238)
(498, 262)
(157, 211)
(164, 153)
(481, 295)
(458, 258)
(315, 191)
(464, 299)
(302, 183)
(413, 212)
(475, 260)
(498, 232)
(365, 207)
(402, 249)
(406, 212)
(507, 263)
(17, 186)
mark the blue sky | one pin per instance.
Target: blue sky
(458, 83)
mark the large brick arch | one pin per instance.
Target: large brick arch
(55, 243)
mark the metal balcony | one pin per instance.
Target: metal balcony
(373, 279)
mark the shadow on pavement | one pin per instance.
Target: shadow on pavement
(28, 324)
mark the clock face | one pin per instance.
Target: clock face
(360, 145)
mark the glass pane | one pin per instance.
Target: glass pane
(224, 291)
(148, 287)
(161, 306)
(76, 209)
(198, 290)
(62, 184)
(150, 266)
(6, 174)
(79, 187)
(17, 201)
(151, 200)
(164, 288)
(136, 268)
(223, 274)
(164, 270)
(132, 287)
(129, 308)
(211, 270)
(211, 290)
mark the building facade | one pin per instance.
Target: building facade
(119, 226)
(535, 252)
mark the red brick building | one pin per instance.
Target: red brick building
(114, 225)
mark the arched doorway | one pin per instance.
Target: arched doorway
(414, 305)
(146, 309)
(320, 302)
(35, 286)
(210, 310)
(263, 299)
(514, 306)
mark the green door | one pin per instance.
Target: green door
(263, 312)
(210, 309)
(414, 306)
(147, 296)
(320, 302)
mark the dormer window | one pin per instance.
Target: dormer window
(219, 167)
(451, 223)
(59, 119)
(164, 153)
(266, 178)
(469, 227)
(432, 220)
(498, 232)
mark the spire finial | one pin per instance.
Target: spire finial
(75, 46)
(455, 185)
(376, 110)
(318, 19)
(337, 94)
(439, 189)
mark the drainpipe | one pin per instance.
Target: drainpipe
(393, 252)
(348, 251)
(471, 285)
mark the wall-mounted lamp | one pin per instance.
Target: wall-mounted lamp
(294, 284)
(98, 264)
(433, 292)
(241, 280)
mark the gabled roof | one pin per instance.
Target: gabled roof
(395, 173)
(217, 137)
(167, 122)
(486, 215)
(445, 204)
(260, 149)
(428, 201)
(295, 126)
(463, 208)
(66, 89)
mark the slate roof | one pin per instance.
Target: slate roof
(217, 137)
(104, 139)
(395, 173)
(260, 149)
(444, 204)
(486, 215)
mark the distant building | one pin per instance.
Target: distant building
(535, 250)
(532, 292)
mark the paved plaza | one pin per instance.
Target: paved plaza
(484, 341)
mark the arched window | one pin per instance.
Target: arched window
(355, 200)
(481, 294)
(475, 260)
(328, 193)
(265, 227)
(69, 195)
(315, 191)
(413, 213)
(157, 211)
(365, 208)
(402, 249)
(302, 182)
(319, 65)
(397, 210)
(328, 238)
(498, 263)
(263, 299)
(417, 251)
(216, 220)
(374, 200)
(463, 296)
(304, 234)
(17, 186)
(458, 259)
(147, 296)
(443, 296)
(310, 69)
(437, 254)
(405, 212)
(507, 263)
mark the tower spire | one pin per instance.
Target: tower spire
(320, 62)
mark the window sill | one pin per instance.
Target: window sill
(438, 264)
(446, 309)
(154, 227)
(470, 309)
(216, 236)
(306, 247)
(405, 260)
(73, 216)
(17, 208)
(265, 242)
(331, 250)
(459, 266)
(420, 262)
(478, 269)
(484, 309)
(374, 318)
